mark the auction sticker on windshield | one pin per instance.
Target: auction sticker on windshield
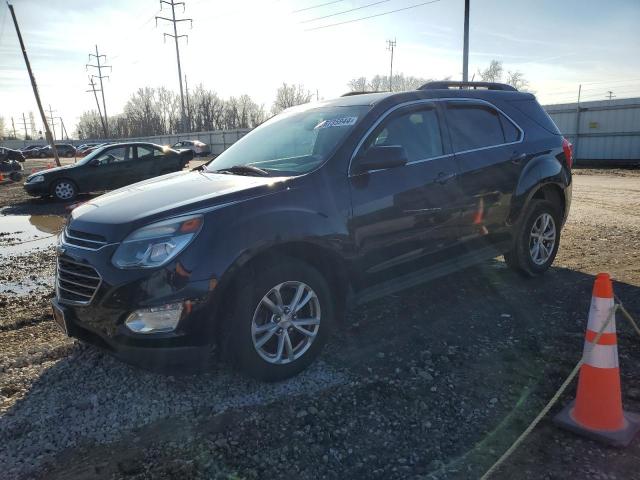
(337, 122)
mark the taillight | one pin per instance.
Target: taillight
(567, 148)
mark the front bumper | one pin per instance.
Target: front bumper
(36, 189)
(101, 320)
(153, 354)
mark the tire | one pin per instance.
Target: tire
(15, 176)
(540, 226)
(64, 190)
(250, 320)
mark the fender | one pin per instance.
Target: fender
(543, 169)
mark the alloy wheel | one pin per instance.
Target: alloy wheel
(286, 322)
(542, 239)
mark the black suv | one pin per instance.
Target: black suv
(325, 205)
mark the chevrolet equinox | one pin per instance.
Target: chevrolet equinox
(324, 206)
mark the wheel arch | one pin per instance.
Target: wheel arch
(328, 263)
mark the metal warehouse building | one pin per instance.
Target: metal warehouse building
(606, 131)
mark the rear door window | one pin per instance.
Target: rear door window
(474, 126)
(144, 153)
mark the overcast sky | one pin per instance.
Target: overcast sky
(251, 46)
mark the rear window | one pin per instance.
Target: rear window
(473, 126)
(532, 109)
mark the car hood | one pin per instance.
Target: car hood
(117, 213)
(52, 170)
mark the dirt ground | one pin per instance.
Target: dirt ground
(435, 382)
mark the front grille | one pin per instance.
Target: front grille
(76, 283)
(89, 241)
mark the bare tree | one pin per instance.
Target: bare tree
(358, 84)
(516, 79)
(290, 96)
(379, 83)
(90, 125)
(493, 73)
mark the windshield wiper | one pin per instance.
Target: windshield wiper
(244, 170)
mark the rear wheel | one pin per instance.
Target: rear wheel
(64, 190)
(536, 242)
(279, 321)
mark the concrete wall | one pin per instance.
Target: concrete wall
(601, 131)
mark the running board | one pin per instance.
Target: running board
(426, 274)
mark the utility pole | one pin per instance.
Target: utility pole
(63, 130)
(186, 89)
(92, 84)
(391, 45)
(32, 126)
(97, 56)
(175, 36)
(575, 143)
(53, 126)
(13, 125)
(465, 48)
(610, 94)
(34, 85)
(24, 125)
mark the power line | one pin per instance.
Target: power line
(610, 94)
(372, 16)
(346, 11)
(316, 6)
(175, 36)
(97, 56)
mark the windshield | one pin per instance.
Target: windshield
(92, 155)
(292, 143)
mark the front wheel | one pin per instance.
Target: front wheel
(64, 190)
(280, 320)
(537, 239)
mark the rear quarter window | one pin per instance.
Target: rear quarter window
(532, 109)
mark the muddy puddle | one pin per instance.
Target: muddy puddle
(20, 234)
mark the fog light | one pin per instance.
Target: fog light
(156, 319)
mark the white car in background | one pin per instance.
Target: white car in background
(200, 149)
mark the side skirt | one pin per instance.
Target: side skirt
(424, 275)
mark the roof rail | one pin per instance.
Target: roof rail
(447, 84)
(350, 94)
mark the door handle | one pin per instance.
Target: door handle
(517, 158)
(443, 178)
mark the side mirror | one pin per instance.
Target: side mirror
(381, 157)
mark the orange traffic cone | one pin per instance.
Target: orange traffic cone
(1, 177)
(597, 410)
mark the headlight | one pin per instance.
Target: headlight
(36, 179)
(156, 244)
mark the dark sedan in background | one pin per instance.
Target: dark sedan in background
(64, 150)
(106, 168)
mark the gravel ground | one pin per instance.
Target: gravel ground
(435, 382)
